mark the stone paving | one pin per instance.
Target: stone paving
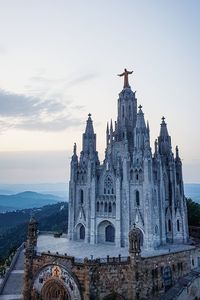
(79, 249)
(181, 284)
(13, 287)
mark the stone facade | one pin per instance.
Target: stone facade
(62, 277)
(135, 200)
(131, 186)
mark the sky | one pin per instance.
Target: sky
(59, 61)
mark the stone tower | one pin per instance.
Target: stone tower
(30, 253)
(132, 188)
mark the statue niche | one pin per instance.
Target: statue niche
(135, 241)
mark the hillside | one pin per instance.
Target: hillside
(26, 200)
(13, 225)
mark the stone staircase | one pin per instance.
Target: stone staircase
(13, 282)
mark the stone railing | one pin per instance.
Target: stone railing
(79, 260)
(11, 267)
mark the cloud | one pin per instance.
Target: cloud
(32, 113)
(81, 79)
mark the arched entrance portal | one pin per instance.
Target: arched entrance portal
(82, 232)
(56, 282)
(53, 289)
(113, 296)
(106, 232)
(110, 234)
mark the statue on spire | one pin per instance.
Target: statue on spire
(125, 74)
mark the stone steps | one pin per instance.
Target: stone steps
(13, 287)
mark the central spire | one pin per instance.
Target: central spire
(125, 74)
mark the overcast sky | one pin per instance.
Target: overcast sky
(59, 61)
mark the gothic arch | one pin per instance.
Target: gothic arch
(54, 289)
(110, 233)
(106, 232)
(113, 296)
(141, 232)
(55, 281)
(80, 232)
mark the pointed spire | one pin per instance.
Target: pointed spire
(89, 126)
(89, 137)
(74, 149)
(74, 156)
(148, 126)
(156, 147)
(111, 131)
(107, 134)
(177, 158)
(164, 140)
(111, 126)
(177, 152)
(107, 128)
(140, 123)
(163, 128)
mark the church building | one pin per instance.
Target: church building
(127, 226)
(133, 187)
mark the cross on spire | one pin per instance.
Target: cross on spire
(89, 115)
(163, 119)
(140, 106)
(125, 74)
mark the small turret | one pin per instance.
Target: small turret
(177, 154)
(164, 140)
(156, 147)
(74, 156)
(31, 236)
(141, 134)
(178, 165)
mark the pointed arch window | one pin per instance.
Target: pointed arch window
(129, 112)
(123, 111)
(131, 175)
(82, 232)
(109, 208)
(98, 206)
(114, 208)
(81, 197)
(169, 225)
(105, 207)
(178, 225)
(137, 198)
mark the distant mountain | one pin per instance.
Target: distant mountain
(6, 192)
(59, 188)
(26, 199)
